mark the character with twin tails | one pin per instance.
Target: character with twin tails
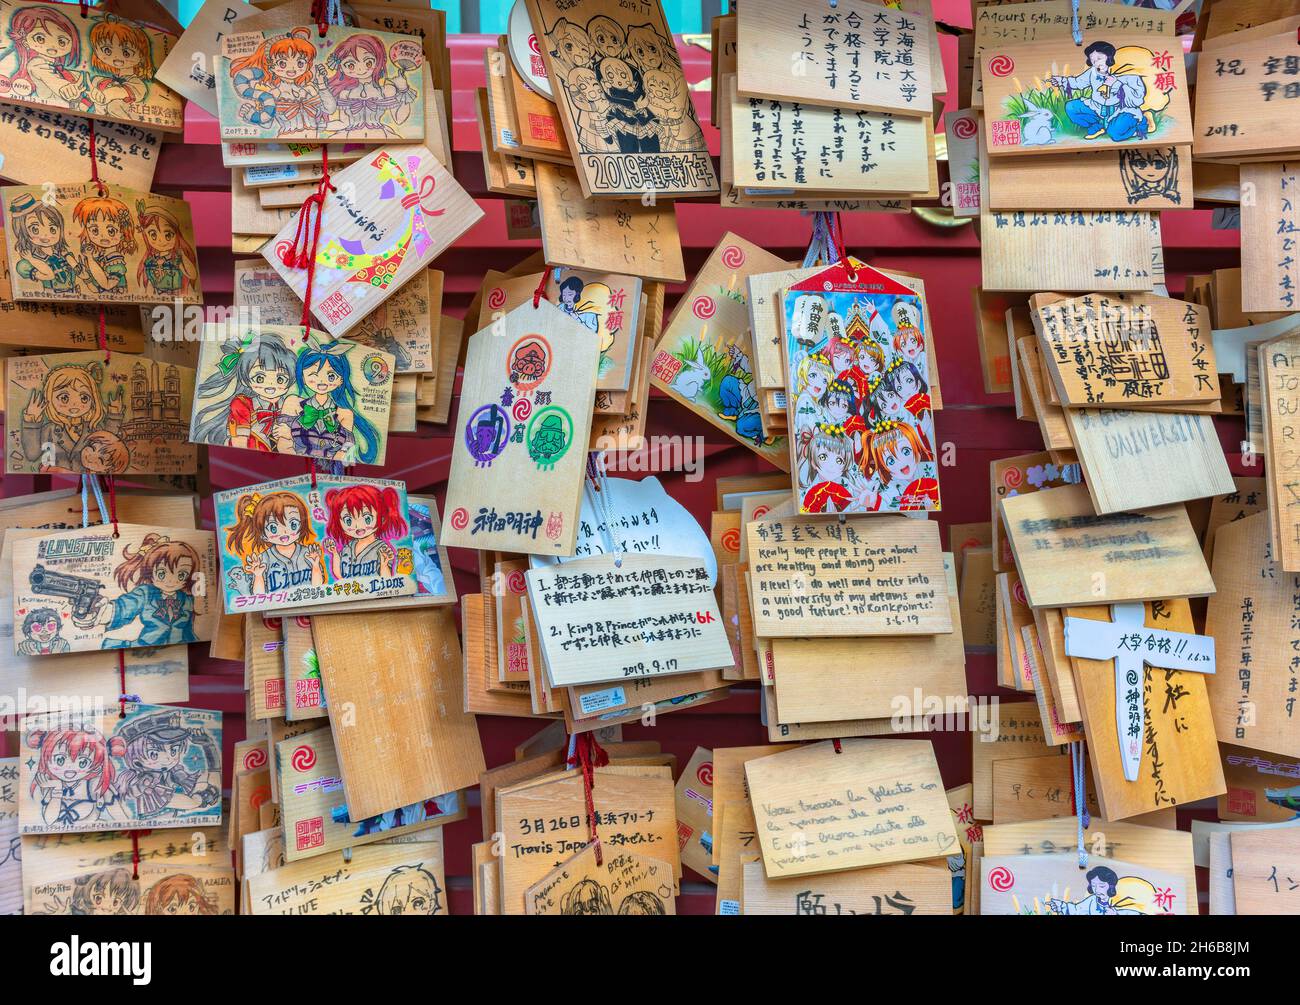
(322, 419)
(248, 389)
(74, 775)
(159, 579)
(363, 521)
(282, 87)
(48, 49)
(274, 539)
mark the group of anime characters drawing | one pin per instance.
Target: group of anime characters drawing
(50, 69)
(117, 892)
(862, 424)
(109, 232)
(70, 424)
(274, 539)
(357, 90)
(625, 89)
(264, 396)
(81, 777)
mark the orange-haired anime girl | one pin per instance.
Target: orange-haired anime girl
(180, 894)
(272, 536)
(280, 86)
(159, 579)
(107, 237)
(121, 65)
(900, 460)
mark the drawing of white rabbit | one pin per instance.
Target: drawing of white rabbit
(1036, 131)
(693, 376)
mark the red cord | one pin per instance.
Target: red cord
(838, 748)
(837, 237)
(112, 505)
(539, 294)
(319, 15)
(101, 329)
(311, 470)
(121, 676)
(588, 755)
(301, 254)
(135, 854)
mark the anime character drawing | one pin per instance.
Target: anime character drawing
(1103, 885)
(281, 88)
(248, 389)
(582, 311)
(41, 633)
(105, 453)
(1149, 174)
(429, 577)
(641, 902)
(158, 577)
(107, 237)
(154, 780)
(274, 540)
(43, 253)
(363, 521)
(1116, 95)
(179, 894)
(408, 889)
(105, 893)
(321, 419)
(625, 88)
(904, 465)
(170, 266)
(369, 96)
(586, 897)
(63, 415)
(74, 775)
(121, 67)
(47, 47)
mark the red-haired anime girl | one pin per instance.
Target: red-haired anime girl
(74, 775)
(363, 519)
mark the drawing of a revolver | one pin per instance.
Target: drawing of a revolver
(83, 592)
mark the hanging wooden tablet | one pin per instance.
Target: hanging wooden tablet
(608, 618)
(703, 359)
(1013, 476)
(624, 101)
(298, 84)
(1154, 178)
(1066, 554)
(867, 576)
(156, 767)
(1132, 351)
(623, 883)
(84, 242)
(187, 70)
(921, 888)
(829, 807)
(1243, 92)
(1266, 871)
(315, 813)
(1280, 380)
(80, 413)
(857, 370)
(1128, 89)
(42, 144)
(282, 389)
(1066, 250)
(409, 736)
(962, 130)
(856, 56)
(1142, 687)
(120, 586)
(792, 148)
(406, 879)
(517, 468)
(1054, 884)
(1269, 224)
(311, 540)
(622, 236)
(97, 67)
(1251, 619)
(391, 214)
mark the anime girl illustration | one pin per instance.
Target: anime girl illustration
(105, 453)
(591, 108)
(429, 576)
(1149, 174)
(409, 889)
(902, 462)
(41, 633)
(322, 420)
(74, 775)
(674, 118)
(121, 65)
(159, 579)
(179, 894)
(154, 780)
(569, 45)
(280, 88)
(62, 416)
(630, 117)
(247, 391)
(367, 95)
(170, 266)
(274, 539)
(107, 237)
(42, 246)
(101, 893)
(835, 485)
(48, 49)
(363, 521)
(606, 37)
(649, 50)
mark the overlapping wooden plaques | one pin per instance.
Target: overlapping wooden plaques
(617, 82)
(519, 461)
(85, 242)
(391, 214)
(1242, 93)
(1054, 884)
(407, 879)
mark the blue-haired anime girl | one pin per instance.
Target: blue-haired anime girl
(322, 418)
